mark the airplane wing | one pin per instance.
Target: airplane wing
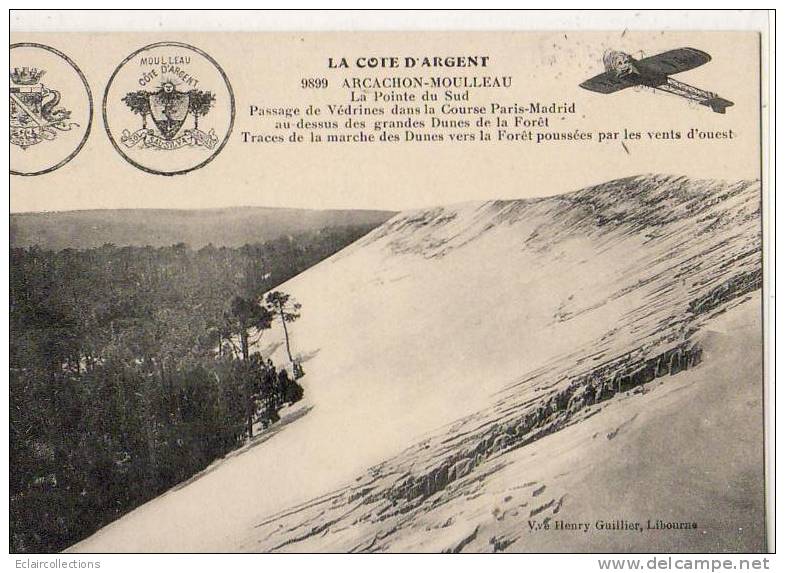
(609, 82)
(674, 61)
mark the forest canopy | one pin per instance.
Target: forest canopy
(132, 369)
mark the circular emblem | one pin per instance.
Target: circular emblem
(168, 108)
(50, 109)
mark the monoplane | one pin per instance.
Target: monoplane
(623, 71)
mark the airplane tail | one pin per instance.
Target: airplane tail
(717, 104)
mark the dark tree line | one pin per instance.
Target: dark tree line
(132, 369)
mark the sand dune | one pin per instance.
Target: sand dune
(472, 368)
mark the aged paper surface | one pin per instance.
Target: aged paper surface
(390, 291)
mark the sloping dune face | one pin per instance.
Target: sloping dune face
(448, 344)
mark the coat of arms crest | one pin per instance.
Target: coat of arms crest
(34, 115)
(169, 108)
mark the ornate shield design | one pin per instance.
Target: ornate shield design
(169, 110)
(174, 126)
(25, 106)
(33, 114)
(58, 109)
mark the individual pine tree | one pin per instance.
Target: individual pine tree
(287, 310)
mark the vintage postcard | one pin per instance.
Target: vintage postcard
(388, 291)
